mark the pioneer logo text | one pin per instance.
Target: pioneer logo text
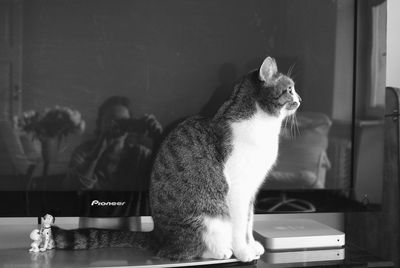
(103, 204)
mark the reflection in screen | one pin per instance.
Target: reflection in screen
(170, 61)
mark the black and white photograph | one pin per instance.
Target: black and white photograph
(250, 133)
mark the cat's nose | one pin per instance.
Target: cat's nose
(300, 99)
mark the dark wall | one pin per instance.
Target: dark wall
(170, 56)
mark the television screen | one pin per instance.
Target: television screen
(78, 72)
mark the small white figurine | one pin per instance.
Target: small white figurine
(37, 240)
(45, 233)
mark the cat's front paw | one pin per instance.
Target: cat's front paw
(221, 254)
(257, 248)
(245, 254)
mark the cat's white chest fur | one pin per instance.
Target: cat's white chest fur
(255, 144)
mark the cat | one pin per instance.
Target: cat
(206, 175)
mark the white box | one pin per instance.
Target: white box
(302, 256)
(297, 234)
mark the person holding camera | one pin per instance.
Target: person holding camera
(119, 157)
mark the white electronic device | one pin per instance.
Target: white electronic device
(297, 234)
(302, 256)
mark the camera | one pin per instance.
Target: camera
(129, 125)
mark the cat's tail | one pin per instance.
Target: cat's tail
(92, 238)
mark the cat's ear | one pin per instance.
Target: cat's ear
(268, 69)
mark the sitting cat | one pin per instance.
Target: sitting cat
(206, 175)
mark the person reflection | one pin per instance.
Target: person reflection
(119, 157)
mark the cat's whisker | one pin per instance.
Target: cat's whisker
(292, 134)
(297, 124)
(289, 119)
(285, 125)
(289, 73)
(294, 125)
(294, 128)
